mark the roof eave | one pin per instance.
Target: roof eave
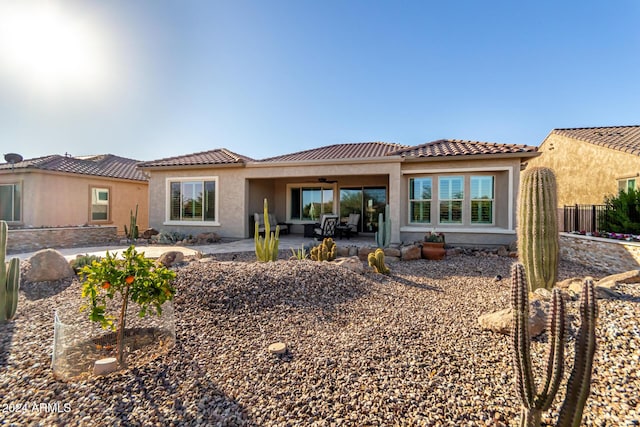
(190, 167)
(321, 162)
(457, 157)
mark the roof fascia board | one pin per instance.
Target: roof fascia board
(192, 167)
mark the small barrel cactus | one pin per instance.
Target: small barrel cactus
(376, 261)
(538, 238)
(325, 251)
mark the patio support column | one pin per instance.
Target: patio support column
(395, 202)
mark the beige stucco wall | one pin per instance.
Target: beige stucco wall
(55, 199)
(585, 172)
(241, 191)
(507, 176)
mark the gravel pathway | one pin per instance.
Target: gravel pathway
(364, 350)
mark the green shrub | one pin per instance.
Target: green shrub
(622, 214)
(83, 260)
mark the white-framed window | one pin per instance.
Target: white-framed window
(626, 184)
(10, 202)
(482, 199)
(451, 197)
(420, 196)
(192, 200)
(100, 204)
(309, 202)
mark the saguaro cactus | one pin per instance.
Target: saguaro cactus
(9, 279)
(383, 235)
(132, 231)
(533, 403)
(267, 248)
(538, 227)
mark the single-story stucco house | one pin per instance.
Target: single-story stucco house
(592, 163)
(57, 191)
(466, 189)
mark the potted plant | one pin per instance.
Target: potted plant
(433, 246)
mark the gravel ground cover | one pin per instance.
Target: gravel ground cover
(364, 350)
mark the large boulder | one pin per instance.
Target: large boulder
(48, 265)
(502, 321)
(170, 258)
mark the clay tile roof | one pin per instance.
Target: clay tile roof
(219, 156)
(356, 150)
(106, 165)
(454, 147)
(622, 138)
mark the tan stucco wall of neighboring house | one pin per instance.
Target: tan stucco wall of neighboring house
(57, 199)
(585, 172)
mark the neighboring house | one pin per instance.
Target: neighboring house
(592, 163)
(466, 189)
(59, 190)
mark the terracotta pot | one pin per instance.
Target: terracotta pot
(432, 250)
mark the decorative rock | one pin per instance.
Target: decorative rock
(542, 294)
(204, 238)
(105, 366)
(149, 232)
(353, 251)
(48, 265)
(502, 321)
(392, 252)
(410, 253)
(171, 257)
(612, 281)
(278, 348)
(391, 259)
(351, 263)
(502, 251)
(343, 251)
(363, 252)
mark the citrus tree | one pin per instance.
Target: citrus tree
(132, 278)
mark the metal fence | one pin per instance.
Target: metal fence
(582, 217)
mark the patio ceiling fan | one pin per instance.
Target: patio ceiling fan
(328, 181)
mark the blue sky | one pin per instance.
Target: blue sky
(163, 78)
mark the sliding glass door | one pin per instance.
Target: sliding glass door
(366, 201)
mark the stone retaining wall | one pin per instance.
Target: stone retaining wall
(34, 239)
(612, 256)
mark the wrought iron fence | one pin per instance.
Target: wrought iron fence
(599, 218)
(585, 218)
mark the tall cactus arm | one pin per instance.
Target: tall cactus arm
(521, 338)
(555, 360)
(580, 379)
(13, 285)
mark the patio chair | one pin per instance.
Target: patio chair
(327, 227)
(259, 219)
(352, 223)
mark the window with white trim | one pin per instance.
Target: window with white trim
(10, 202)
(193, 199)
(420, 193)
(451, 196)
(99, 204)
(626, 184)
(310, 203)
(482, 199)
